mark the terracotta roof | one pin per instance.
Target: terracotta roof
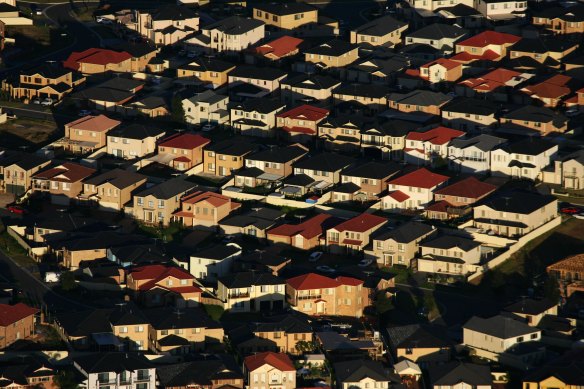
(305, 112)
(96, 57)
(10, 314)
(554, 87)
(215, 199)
(279, 361)
(312, 281)
(182, 158)
(573, 263)
(421, 178)
(352, 242)
(98, 123)
(280, 47)
(67, 172)
(440, 206)
(349, 281)
(470, 187)
(302, 130)
(398, 196)
(447, 63)
(437, 136)
(464, 56)
(310, 228)
(487, 38)
(158, 273)
(361, 223)
(492, 80)
(184, 141)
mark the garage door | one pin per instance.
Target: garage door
(15, 189)
(108, 207)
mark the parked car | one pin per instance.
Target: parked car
(573, 111)
(84, 112)
(17, 209)
(579, 215)
(325, 269)
(570, 210)
(103, 20)
(365, 262)
(314, 257)
(47, 102)
(36, 101)
(208, 127)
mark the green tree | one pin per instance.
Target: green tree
(178, 112)
(302, 346)
(66, 380)
(68, 281)
(551, 289)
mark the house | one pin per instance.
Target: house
(429, 147)
(373, 96)
(363, 374)
(498, 10)
(254, 223)
(451, 255)
(383, 31)
(270, 370)
(304, 88)
(225, 157)
(28, 371)
(300, 124)
(182, 151)
(206, 107)
(251, 292)
(458, 197)
(269, 166)
(516, 213)
(569, 273)
(130, 369)
(133, 141)
(204, 209)
(418, 101)
(452, 374)
(523, 159)
(549, 52)
(213, 72)
(367, 181)
(286, 16)
(418, 343)
(351, 236)
(493, 84)
(143, 54)
(340, 346)
(256, 117)
(397, 246)
(211, 263)
(281, 333)
(332, 54)
(190, 329)
(551, 91)
(99, 61)
(386, 138)
(561, 20)
(440, 36)
(266, 79)
(305, 235)
(111, 190)
(41, 82)
(540, 119)
(532, 310)
(110, 95)
(18, 170)
(568, 171)
(324, 169)
(487, 45)
(342, 132)
(167, 24)
(282, 47)
(565, 372)
(63, 182)
(162, 285)
(472, 154)
(379, 69)
(214, 371)
(231, 35)
(149, 106)
(439, 70)
(16, 322)
(496, 337)
(434, 5)
(313, 294)
(88, 133)
(259, 260)
(469, 114)
(157, 204)
(412, 190)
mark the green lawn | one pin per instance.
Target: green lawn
(174, 231)
(10, 247)
(214, 311)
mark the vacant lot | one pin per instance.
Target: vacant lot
(26, 132)
(35, 41)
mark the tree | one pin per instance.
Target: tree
(302, 346)
(66, 380)
(68, 281)
(178, 112)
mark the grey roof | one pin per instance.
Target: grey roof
(530, 306)
(28, 161)
(529, 146)
(283, 9)
(518, 201)
(380, 26)
(454, 373)
(234, 25)
(414, 336)
(347, 187)
(217, 252)
(537, 114)
(450, 241)
(200, 372)
(460, 10)
(112, 362)
(247, 279)
(306, 81)
(374, 170)
(279, 154)
(386, 66)
(255, 72)
(171, 318)
(333, 341)
(173, 12)
(262, 219)
(136, 131)
(167, 189)
(328, 162)
(355, 371)
(541, 46)
(420, 97)
(208, 64)
(483, 142)
(232, 147)
(394, 128)
(438, 31)
(499, 327)
(363, 90)
(122, 84)
(117, 177)
(405, 233)
(261, 105)
(207, 96)
(471, 105)
(334, 48)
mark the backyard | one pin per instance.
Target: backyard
(26, 132)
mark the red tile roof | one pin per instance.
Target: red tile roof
(470, 187)
(312, 281)
(67, 172)
(492, 80)
(280, 47)
(100, 123)
(10, 314)
(305, 112)
(487, 38)
(301, 130)
(554, 87)
(215, 199)
(437, 136)
(349, 281)
(447, 63)
(279, 361)
(185, 141)
(95, 57)
(464, 57)
(308, 229)
(398, 196)
(352, 242)
(421, 178)
(156, 273)
(440, 206)
(361, 223)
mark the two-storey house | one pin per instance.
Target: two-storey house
(384, 31)
(429, 147)
(252, 292)
(473, 154)
(133, 141)
(183, 151)
(206, 107)
(412, 190)
(225, 157)
(524, 159)
(63, 182)
(88, 133)
(256, 117)
(111, 190)
(204, 209)
(270, 370)
(351, 236)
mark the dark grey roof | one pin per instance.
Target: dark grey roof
(453, 373)
(537, 114)
(283, 9)
(248, 279)
(333, 341)
(117, 177)
(394, 128)
(29, 161)
(217, 252)
(568, 369)
(171, 318)
(420, 97)
(204, 64)
(363, 90)
(174, 187)
(46, 70)
(99, 93)
(499, 327)
(405, 233)
(234, 25)
(483, 142)
(569, 14)
(298, 180)
(306, 81)
(518, 202)
(438, 31)
(262, 218)
(261, 105)
(460, 10)
(328, 162)
(347, 187)
(530, 306)
(201, 372)
(380, 26)
(529, 146)
(451, 241)
(386, 66)
(356, 370)
(122, 84)
(471, 105)
(334, 48)
(136, 131)
(279, 154)
(232, 147)
(255, 72)
(352, 121)
(374, 170)
(207, 96)
(542, 46)
(415, 336)
(112, 362)
(173, 12)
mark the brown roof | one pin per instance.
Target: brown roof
(470, 187)
(98, 123)
(574, 263)
(67, 172)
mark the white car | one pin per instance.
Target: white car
(208, 127)
(365, 262)
(103, 20)
(36, 101)
(47, 102)
(325, 269)
(572, 111)
(315, 256)
(579, 215)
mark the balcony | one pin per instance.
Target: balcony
(311, 297)
(143, 377)
(238, 295)
(106, 381)
(41, 185)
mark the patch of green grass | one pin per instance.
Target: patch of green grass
(84, 13)
(10, 247)
(214, 311)
(172, 232)
(207, 180)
